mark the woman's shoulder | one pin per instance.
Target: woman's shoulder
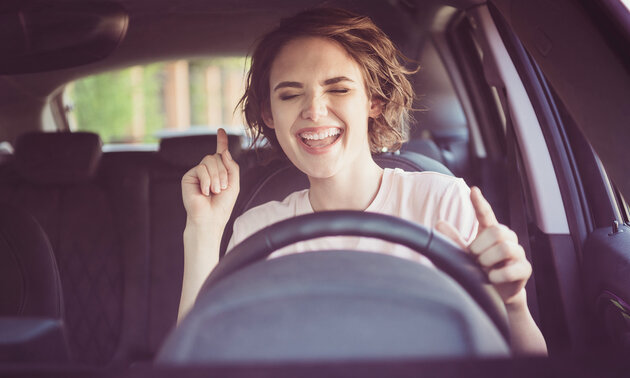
(426, 180)
(275, 211)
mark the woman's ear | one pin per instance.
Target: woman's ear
(376, 107)
(266, 116)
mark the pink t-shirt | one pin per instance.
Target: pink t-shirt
(420, 197)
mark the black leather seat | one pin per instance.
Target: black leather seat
(31, 304)
(176, 155)
(54, 178)
(28, 271)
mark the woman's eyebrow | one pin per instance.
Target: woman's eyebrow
(336, 80)
(288, 84)
(295, 84)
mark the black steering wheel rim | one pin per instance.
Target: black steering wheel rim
(445, 255)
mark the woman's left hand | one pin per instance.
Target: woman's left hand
(497, 251)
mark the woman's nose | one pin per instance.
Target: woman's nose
(314, 109)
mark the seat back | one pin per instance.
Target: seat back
(174, 158)
(53, 177)
(31, 304)
(29, 277)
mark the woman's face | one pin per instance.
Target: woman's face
(319, 107)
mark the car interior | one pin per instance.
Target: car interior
(529, 100)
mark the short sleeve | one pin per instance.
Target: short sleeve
(457, 209)
(266, 214)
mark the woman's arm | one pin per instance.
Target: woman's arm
(525, 337)
(201, 255)
(503, 259)
(209, 191)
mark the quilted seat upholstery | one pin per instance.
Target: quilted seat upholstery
(53, 179)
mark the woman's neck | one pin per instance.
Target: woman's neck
(352, 189)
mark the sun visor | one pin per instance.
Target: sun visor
(41, 35)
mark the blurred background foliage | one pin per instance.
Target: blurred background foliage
(134, 104)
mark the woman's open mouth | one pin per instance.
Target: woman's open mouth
(318, 140)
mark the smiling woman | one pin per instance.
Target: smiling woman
(528, 100)
(327, 94)
(327, 111)
(379, 65)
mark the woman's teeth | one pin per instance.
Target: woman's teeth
(320, 135)
(321, 138)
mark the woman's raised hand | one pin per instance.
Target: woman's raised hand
(209, 190)
(503, 259)
(497, 251)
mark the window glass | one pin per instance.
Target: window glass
(625, 207)
(439, 108)
(140, 104)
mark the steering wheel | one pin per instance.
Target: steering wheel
(445, 255)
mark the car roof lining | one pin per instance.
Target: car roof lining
(150, 38)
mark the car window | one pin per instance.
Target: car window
(626, 208)
(141, 104)
(440, 111)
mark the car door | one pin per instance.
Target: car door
(588, 100)
(557, 116)
(534, 160)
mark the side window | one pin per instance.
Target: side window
(625, 208)
(603, 202)
(439, 108)
(485, 111)
(621, 209)
(439, 114)
(140, 104)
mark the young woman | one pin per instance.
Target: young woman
(326, 89)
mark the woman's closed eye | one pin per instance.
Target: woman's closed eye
(339, 90)
(291, 95)
(288, 96)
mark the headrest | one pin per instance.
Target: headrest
(410, 161)
(187, 151)
(57, 158)
(425, 147)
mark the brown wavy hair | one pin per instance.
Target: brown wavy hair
(382, 65)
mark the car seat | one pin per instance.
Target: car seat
(31, 308)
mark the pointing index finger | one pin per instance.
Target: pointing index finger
(483, 210)
(222, 141)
